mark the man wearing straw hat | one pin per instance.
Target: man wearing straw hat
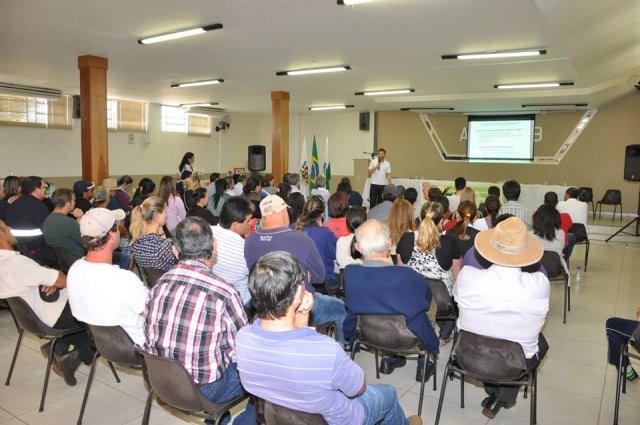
(503, 301)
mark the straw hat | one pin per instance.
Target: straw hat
(509, 244)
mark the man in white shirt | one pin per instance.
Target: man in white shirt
(578, 210)
(503, 301)
(101, 293)
(295, 181)
(320, 189)
(229, 233)
(380, 174)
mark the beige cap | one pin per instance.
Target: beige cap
(110, 184)
(272, 204)
(98, 221)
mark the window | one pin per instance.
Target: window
(174, 119)
(34, 112)
(127, 116)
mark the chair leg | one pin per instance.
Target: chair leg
(354, 348)
(534, 398)
(442, 390)
(113, 370)
(613, 217)
(47, 373)
(435, 373)
(422, 381)
(147, 408)
(586, 255)
(377, 364)
(462, 391)
(88, 388)
(620, 381)
(566, 292)
(15, 356)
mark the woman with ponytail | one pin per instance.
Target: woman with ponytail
(196, 204)
(150, 248)
(310, 222)
(433, 254)
(465, 233)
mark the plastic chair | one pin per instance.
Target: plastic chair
(621, 383)
(447, 309)
(580, 230)
(389, 333)
(64, 257)
(152, 276)
(26, 320)
(269, 413)
(585, 194)
(116, 346)
(611, 197)
(172, 383)
(492, 360)
(556, 273)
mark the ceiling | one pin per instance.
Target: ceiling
(388, 44)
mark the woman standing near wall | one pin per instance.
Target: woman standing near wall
(186, 164)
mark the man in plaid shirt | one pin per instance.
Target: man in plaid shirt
(193, 316)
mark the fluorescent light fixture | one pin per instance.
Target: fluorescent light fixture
(179, 34)
(203, 104)
(542, 105)
(198, 83)
(384, 92)
(329, 107)
(321, 70)
(495, 54)
(351, 2)
(533, 85)
(433, 108)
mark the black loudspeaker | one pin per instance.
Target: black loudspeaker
(257, 158)
(76, 106)
(632, 163)
(364, 121)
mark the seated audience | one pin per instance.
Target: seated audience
(121, 195)
(372, 288)
(238, 184)
(492, 208)
(194, 317)
(295, 181)
(176, 211)
(149, 246)
(101, 197)
(112, 186)
(511, 190)
(400, 222)
(276, 235)
(346, 252)
(59, 229)
(197, 203)
(282, 360)
(251, 191)
(337, 207)
(44, 292)
(491, 191)
(284, 190)
(229, 233)
(310, 223)
(433, 254)
(26, 217)
(546, 229)
(269, 184)
(454, 200)
(505, 294)
(462, 229)
(146, 188)
(566, 223)
(355, 199)
(216, 201)
(296, 204)
(320, 189)
(11, 189)
(381, 211)
(619, 332)
(468, 194)
(99, 292)
(211, 187)
(83, 189)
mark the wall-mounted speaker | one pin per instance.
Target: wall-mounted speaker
(257, 158)
(76, 106)
(364, 121)
(632, 163)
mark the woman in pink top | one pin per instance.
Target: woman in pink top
(337, 207)
(176, 211)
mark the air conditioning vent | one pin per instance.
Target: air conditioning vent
(203, 110)
(30, 91)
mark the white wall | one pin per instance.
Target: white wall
(57, 153)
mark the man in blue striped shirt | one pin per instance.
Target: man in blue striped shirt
(284, 361)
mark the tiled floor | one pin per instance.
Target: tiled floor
(575, 384)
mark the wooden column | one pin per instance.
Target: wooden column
(93, 117)
(280, 134)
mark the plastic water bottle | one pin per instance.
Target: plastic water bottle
(578, 275)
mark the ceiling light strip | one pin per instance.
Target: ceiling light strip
(198, 83)
(496, 54)
(203, 104)
(384, 92)
(351, 2)
(321, 70)
(542, 105)
(533, 85)
(433, 108)
(179, 34)
(329, 107)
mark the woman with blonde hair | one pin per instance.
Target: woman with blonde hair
(310, 222)
(151, 250)
(433, 254)
(176, 211)
(400, 222)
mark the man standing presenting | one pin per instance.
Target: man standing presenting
(503, 301)
(194, 317)
(380, 174)
(285, 362)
